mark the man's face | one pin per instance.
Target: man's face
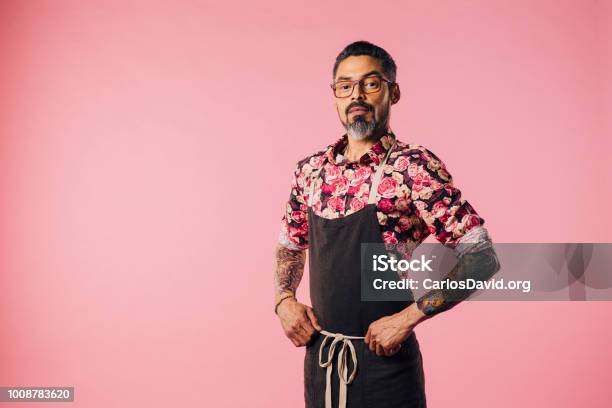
(363, 114)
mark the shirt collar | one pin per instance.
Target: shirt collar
(376, 154)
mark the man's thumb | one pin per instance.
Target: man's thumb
(313, 318)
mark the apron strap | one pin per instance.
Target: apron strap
(313, 180)
(342, 365)
(378, 176)
(373, 187)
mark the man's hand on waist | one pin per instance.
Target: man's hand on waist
(298, 321)
(386, 334)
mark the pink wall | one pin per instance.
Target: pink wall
(146, 154)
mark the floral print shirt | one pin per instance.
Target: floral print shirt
(416, 195)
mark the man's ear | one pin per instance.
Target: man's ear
(395, 94)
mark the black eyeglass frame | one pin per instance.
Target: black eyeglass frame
(360, 81)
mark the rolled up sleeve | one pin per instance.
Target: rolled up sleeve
(438, 202)
(294, 223)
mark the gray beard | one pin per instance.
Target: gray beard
(361, 129)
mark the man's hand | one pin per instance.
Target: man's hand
(298, 320)
(386, 334)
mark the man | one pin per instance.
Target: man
(368, 186)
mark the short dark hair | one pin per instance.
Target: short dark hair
(366, 48)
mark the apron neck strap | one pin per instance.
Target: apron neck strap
(378, 175)
(313, 179)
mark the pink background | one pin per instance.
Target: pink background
(145, 160)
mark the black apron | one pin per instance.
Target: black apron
(335, 291)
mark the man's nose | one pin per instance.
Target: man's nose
(358, 93)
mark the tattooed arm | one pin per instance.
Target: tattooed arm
(477, 260)
(288, 271)
(298, 320)
(455, 223)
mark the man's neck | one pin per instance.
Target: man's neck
(357, 148)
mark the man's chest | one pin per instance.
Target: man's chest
(342, 190)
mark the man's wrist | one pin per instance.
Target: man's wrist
(433, 302)
(282, 294)
(414, 315)
(281, 298)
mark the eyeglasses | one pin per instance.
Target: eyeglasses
(369, 84)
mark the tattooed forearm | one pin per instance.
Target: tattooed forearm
(288, 270)
(479, 265)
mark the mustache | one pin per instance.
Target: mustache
(357, 104)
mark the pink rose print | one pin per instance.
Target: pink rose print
(377, 148)
(298, 216)
(401, 163)
(356, 204)
(317, 161)
(436, 185)
(451, 226)
(353, 190)
(331, 173)
(300, 180)
(444, 236)
(404, 223)
(336, 204)
(340, 186)
(327, 188)
(422, 179)
(413, 168)
(401, 204)
(389, 237)
(387, 187)
(439, 209)
(416, 234)
(361, 175)
(420, 205)
(444, 218)
(298, 232)
(417, 187)
(385, 205)
(471, 221)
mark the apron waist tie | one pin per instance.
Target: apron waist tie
(342, 364)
